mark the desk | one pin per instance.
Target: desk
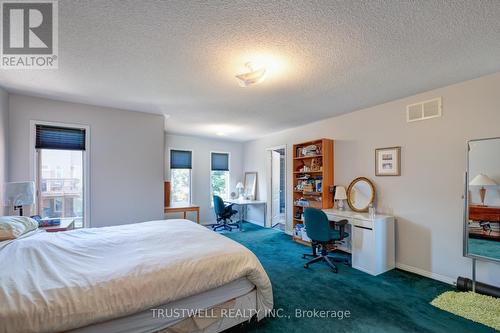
(244, 204)
(66, 224)
(184, 208)
(370, 242)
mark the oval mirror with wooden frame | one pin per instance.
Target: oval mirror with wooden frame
(360, 194)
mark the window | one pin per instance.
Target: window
(58, 205)
(180, 176)
(219, 176)
(60, 172)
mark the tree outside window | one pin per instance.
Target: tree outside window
(181, 186)
(220, 183)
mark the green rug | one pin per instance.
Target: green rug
(393, 302)
(479, 308)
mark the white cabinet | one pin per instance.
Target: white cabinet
(371, 241)
(362, 249)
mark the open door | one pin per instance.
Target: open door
(275, 188)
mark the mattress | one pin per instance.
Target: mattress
(147, 321)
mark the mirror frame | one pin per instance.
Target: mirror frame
(349, 194)
(465, 197)
(254, 189)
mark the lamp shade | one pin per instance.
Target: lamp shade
(239, 186)
(20, 193)
(482, 180)
(340, 193)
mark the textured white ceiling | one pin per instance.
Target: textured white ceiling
(180, 57)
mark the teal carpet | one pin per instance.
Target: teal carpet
(396, 301)
(484, 247)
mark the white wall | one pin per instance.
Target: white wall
(126, 156)
(4, 145)
(202, 147)
(427, 197)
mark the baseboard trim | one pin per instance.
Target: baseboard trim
(425, 273)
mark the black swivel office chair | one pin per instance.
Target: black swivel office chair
(223, 213)
(321, 234)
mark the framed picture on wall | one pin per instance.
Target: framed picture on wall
(388, 161)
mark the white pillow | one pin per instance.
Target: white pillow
(11, 227)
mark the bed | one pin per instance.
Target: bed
(130, 278)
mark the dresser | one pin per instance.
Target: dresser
(370, 242)
(480, 214)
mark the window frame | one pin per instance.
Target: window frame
(228, 175)
(169, 176)
(35, 170)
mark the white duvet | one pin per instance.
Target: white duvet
(51, 282)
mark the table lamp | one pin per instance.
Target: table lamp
(239, 188)
(482, 180)
(19, 194)
(340, 196)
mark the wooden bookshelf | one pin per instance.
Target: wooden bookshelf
(318, 166)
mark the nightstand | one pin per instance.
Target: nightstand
(66, 224)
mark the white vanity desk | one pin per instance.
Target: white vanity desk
(370, 241)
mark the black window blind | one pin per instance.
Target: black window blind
(180, 159)
(63, 138)
(220, 162)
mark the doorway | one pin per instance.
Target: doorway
(277, 187)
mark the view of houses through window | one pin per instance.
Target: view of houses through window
(61, 185)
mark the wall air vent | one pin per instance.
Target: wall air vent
(423, 110)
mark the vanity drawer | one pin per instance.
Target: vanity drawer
(352, 221)
(367, 224)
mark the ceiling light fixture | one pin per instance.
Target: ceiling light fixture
(220, 134)
(252, 77)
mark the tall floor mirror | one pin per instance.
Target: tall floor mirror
(482, 200)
